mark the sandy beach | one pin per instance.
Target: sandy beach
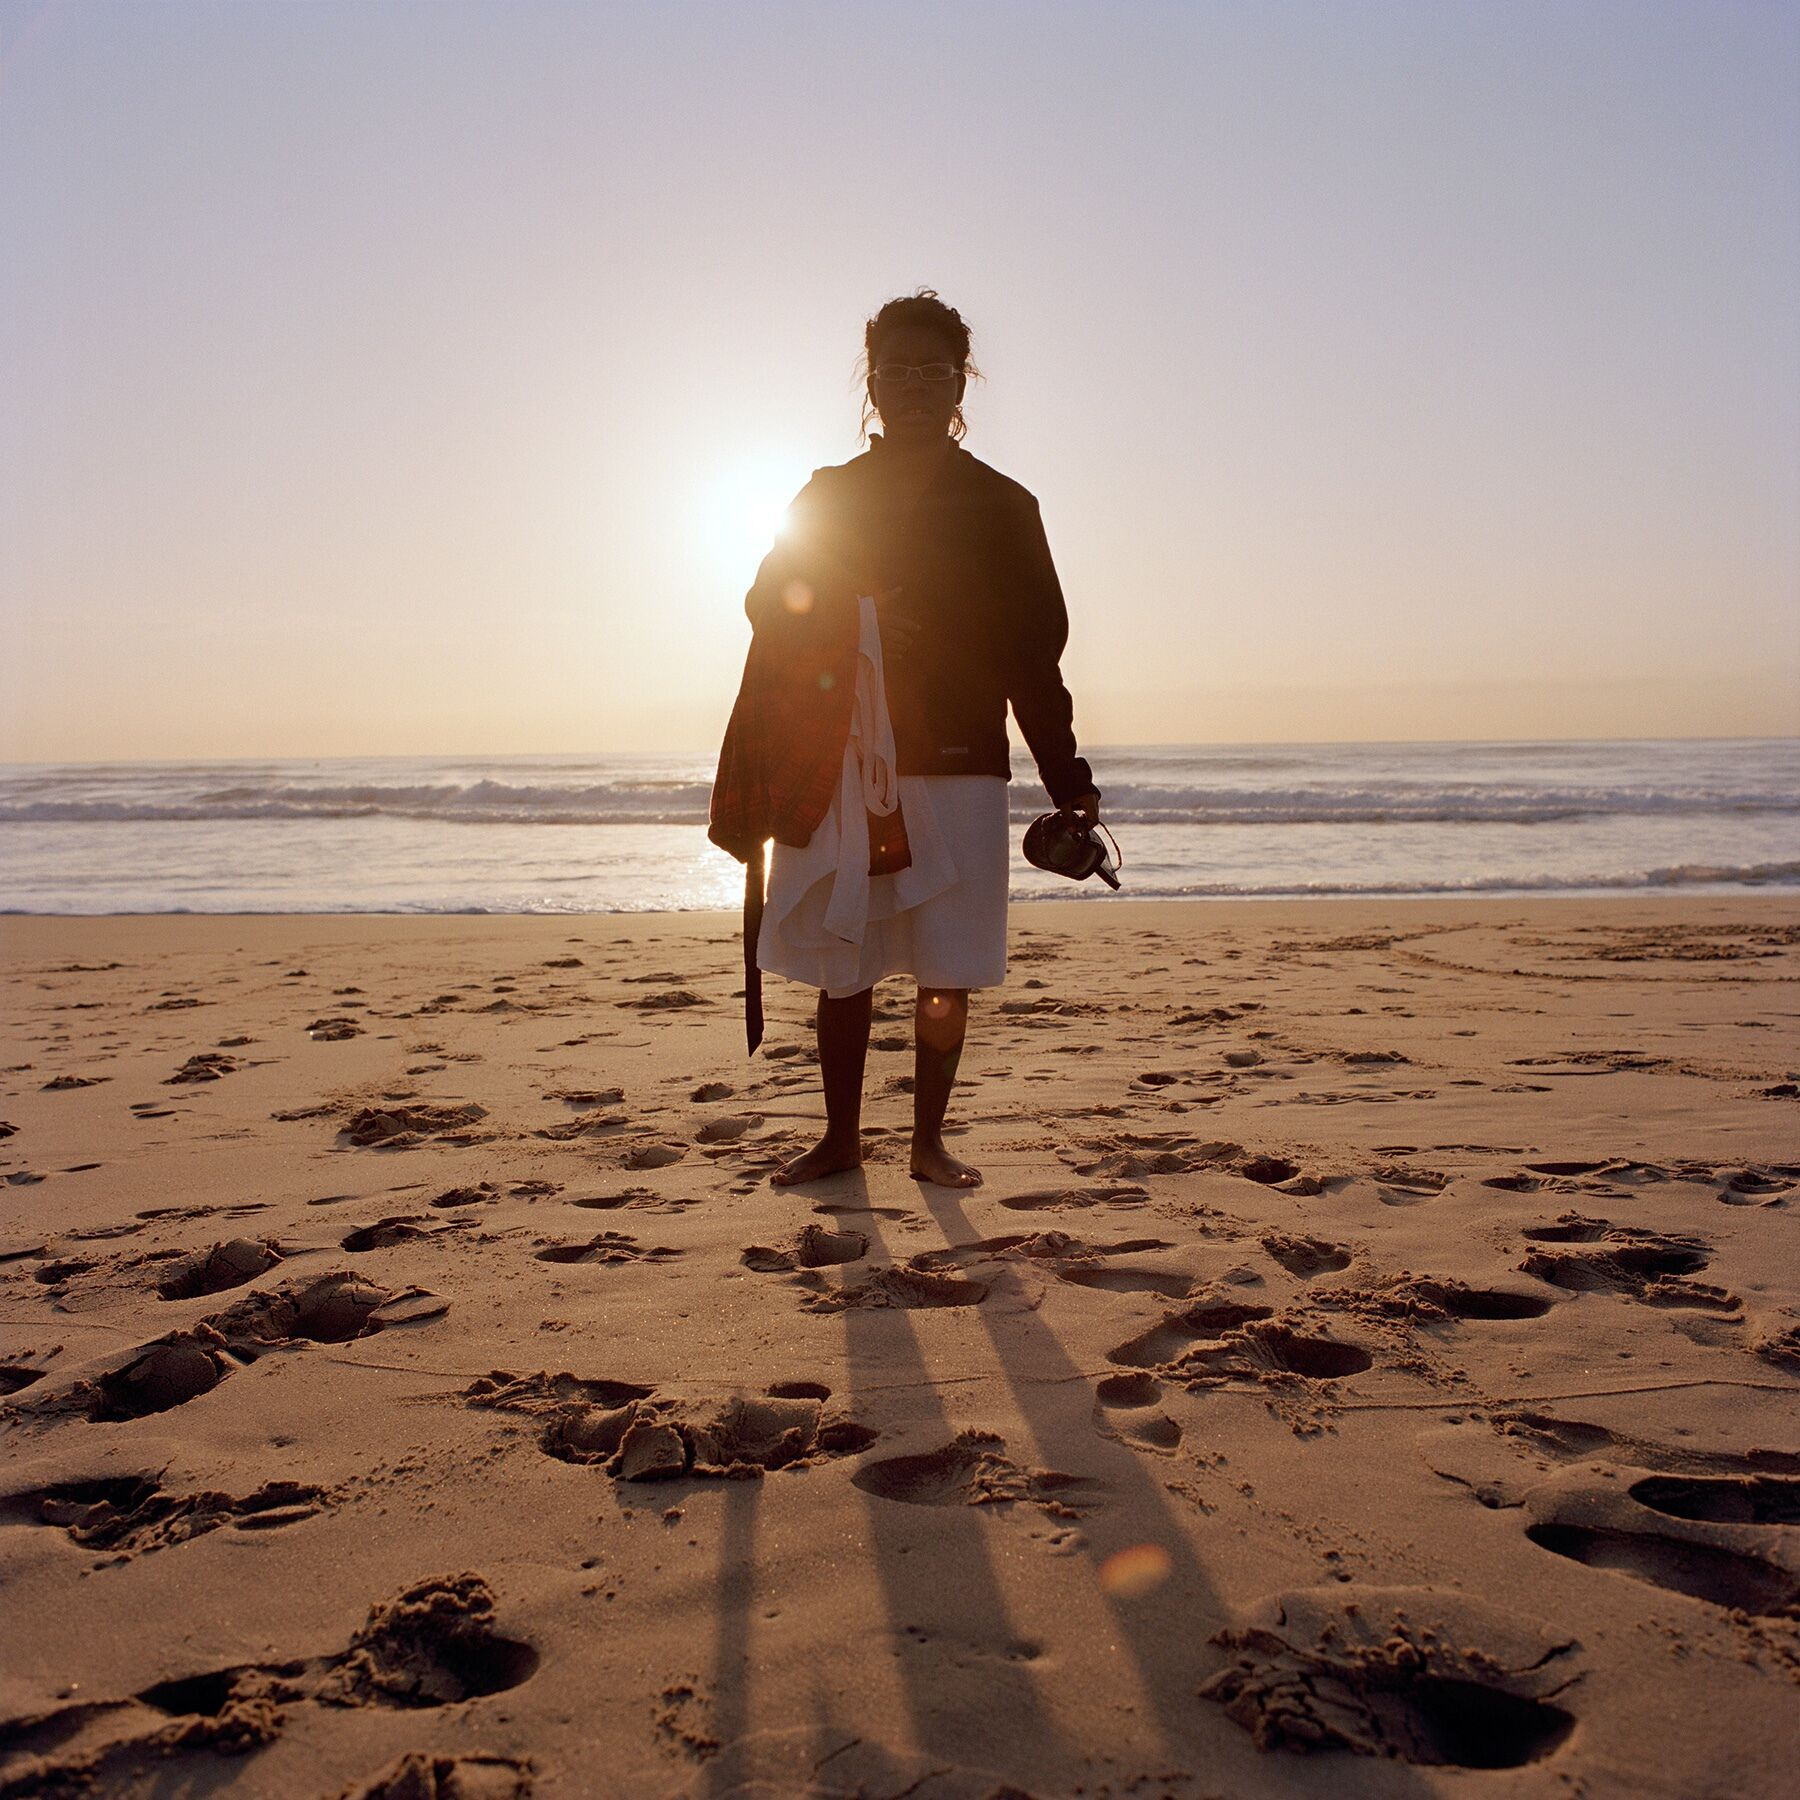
(1369, 1368)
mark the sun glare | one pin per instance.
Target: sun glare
(741, 508)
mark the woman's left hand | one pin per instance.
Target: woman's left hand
(1086, 806)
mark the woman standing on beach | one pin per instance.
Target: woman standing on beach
(910, 598)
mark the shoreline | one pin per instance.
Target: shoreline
(1226, 907)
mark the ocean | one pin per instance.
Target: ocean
(583, 834)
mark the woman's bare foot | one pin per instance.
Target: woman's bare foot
(932, 1162)
(829, 1156)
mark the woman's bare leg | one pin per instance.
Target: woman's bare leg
(940, 1021)
(843, 1028)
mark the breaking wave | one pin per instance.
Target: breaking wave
(678, 802)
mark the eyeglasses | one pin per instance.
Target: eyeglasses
(895, 374)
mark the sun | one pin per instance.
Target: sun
(739, 509)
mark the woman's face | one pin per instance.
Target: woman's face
(915, 411)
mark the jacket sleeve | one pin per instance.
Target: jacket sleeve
(1040, 701)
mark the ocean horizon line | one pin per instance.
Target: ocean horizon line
(692, 753)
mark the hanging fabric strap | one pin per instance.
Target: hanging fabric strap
(753, 912)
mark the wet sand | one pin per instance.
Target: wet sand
(1369, 1368)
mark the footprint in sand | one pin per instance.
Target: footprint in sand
(330, 1309)
(1571, 1228)
(1398, 1184)
(631, 1196)
(1130, 1156)
(402, 1228)
(1225, 1340)
(726, 1129)
(159, 1378)
(26, 1368)
(638, 1199)
(799, 1390)
(1779, 1343)
(1434, 1299)
(478, 1194)
(1595, 1256)
(671, 1000)
(1415, 1674)
(815, 1248)
(132, 1514)
(634, 1435)
(1069, 1259)
(904, 1287)
(1579, 1440)
(224, 1266)
(582, 1098)
(608, 1247)
(151, 1213)
(1066, 1199)
(63, 1270)
(974, 1470)
(1688, 1553)
(420, 1775)
(1509, 1460)
(1177, 1332)
(208, 1065)
(1757, 1187)
(589, 1125)
(1722, 1500)
(1266, 1347)
(1269, 1171)
(1126, 1278)
(1305, 1256)
(402, 1127)
(1574, 1175)
(1457, 1300)
(436, 1644)
(651, 1155)
(1126, 1407)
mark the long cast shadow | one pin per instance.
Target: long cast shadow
(1164, 1630)
(730, 1682)
(943, 1597)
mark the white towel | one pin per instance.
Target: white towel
(822, 898)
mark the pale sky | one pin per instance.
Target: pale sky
(382, 377)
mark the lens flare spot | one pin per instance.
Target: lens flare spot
(827, 680)
(936, 1006)
(1131, 1574)
(736, 509)
(797, 597)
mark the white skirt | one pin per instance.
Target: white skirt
(831, 924)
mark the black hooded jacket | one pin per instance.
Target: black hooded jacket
(974, 569)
